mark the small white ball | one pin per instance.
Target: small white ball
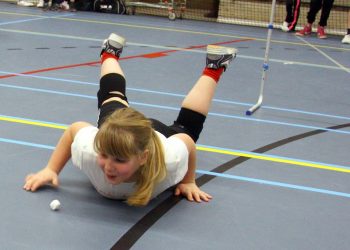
(55, 205)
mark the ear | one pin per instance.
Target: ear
(143, 157)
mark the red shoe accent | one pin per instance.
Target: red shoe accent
(321, 32)
(305, 31)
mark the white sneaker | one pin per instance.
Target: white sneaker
(284, 26)
(64, 5)
(219, 57)
(346, 39)
(25, 3)
(114, 45)
(40, 4)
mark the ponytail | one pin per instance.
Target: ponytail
(153, 172)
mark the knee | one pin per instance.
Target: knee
(111, 85)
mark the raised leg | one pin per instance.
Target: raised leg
(112, 81)
(200, 96)
(196, 105)
(111, 51)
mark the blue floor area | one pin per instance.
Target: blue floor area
(279, 178)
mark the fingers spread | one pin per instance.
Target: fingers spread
(190, 196)
(197, 197)
(27, 186)
(177, 191)
(28, 177)
(205, 196)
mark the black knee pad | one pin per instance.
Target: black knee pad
(191, 122)
(110, 83)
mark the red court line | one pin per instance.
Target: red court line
(61, 67)
(161, 53)
(154, 55)
(148, 55)
(48, 69)
(222, 43)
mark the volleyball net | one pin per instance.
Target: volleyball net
(242, 12)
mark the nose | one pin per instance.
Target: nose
(108, 166)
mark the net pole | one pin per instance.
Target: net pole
(266, 61)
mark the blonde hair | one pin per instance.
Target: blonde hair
(127, 133)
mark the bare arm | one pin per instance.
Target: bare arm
(188, 186)
(59, 158)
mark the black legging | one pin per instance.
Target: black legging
(188, 121)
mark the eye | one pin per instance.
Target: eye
(120, 160)
(103, 155)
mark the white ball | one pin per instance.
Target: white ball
(55, 205)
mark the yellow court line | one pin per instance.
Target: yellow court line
(175, 30)
(34, 123)
(275, 159)
(19, 14)
(201, 148)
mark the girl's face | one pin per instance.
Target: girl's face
(119, 170)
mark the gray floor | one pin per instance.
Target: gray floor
(280, 178)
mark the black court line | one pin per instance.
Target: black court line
(147, 221)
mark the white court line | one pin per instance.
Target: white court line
(98, 40)
(171, 29)
(175, 94)
(34, 19)
(325, 55)
(163, 47)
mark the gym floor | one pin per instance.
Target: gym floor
(280, 178)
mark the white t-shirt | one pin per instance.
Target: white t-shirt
(85, 158)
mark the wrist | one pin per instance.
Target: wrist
(52, 169)
(188, 181)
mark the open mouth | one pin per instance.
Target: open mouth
(110, 177)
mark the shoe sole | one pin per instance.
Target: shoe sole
(305, 34)
(114, 38)
(219, 50)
